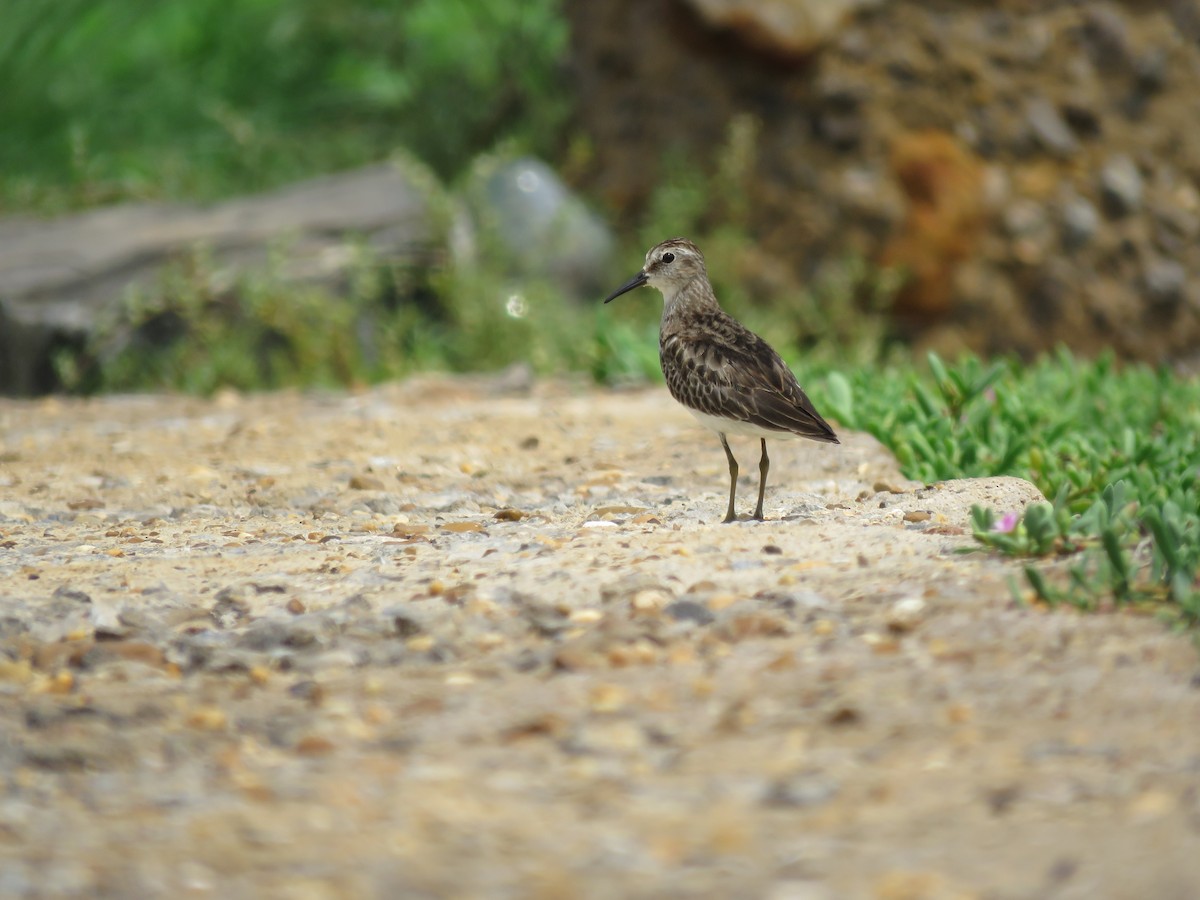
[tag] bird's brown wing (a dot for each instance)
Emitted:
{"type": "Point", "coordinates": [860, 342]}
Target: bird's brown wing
{"type": "Point", "coordinates": [722, 369]}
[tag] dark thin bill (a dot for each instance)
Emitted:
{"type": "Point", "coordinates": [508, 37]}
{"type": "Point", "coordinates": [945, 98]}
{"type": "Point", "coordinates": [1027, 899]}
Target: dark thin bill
{"type": "Point", "coordinates": [635, 282]}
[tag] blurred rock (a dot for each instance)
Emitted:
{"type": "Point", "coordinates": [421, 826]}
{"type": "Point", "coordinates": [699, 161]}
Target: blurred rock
{"type": "Point", "coordinates": [791, 29]}
{"type": "Point", "coordinates": [520, 213]}
{"type": "Point", "coordinates": [1080, 222]}
{"type": "Point", "coordinates": [60, 279]}
{"type": "Point", "coordinates": [1150, 71]}
{"type": "Point", "coordinates": [1121, 185]}
{"type": "Point", "coordinates": [1049, 128]}
{"type": "Point", "coordinates": [1106, 35]}
{"type": "Point", "coordinates": [1165, 280]}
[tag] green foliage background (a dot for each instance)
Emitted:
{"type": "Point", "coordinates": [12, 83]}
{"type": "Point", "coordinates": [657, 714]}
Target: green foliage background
{"type": "Point", "coordinates": [195, 99]}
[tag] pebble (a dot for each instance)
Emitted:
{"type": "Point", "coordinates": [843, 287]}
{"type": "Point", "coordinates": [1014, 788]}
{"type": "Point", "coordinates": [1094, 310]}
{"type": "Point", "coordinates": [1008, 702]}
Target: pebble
{"type": "Point", "coordinates": [802, 791]}
{"type": "Point", "coordinates": [906, 614]}
{"type": "Point", "coordinates": [690, 611]}
{"type": "Point", "coordinates": [1150, 70]}
{"type": "Point", "coordinates": [1025, 218]}
{"type": "Point", "coordinates": [1121, 185]}
{"type": "Point", "coordinates": [1164, 281]}
{"type": "Point", "coordinates": [1080, 222]}
{"type": "Point", "coordinates": [1049, 127]}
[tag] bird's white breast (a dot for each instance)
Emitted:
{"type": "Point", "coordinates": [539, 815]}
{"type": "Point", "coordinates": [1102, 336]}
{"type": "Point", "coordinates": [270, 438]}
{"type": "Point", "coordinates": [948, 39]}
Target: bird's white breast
{"type": "Point", "coordinates": [747, 429]}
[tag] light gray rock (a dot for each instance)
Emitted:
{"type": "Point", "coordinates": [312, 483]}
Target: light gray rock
{"type": "Point", "coordinates": [1049, 128]}
{"type": "Point", "coordinates": [1121, 185]}
{"type": "Point", "coordinates": [1164, 281]}
{"type": "Point", "coordinates": [1080, 222]}
{"type": "Point", "coordinates": [521, 214]}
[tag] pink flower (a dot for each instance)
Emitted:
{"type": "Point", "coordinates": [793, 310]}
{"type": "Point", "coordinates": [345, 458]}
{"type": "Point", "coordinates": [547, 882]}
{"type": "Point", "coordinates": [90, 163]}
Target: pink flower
{"type": "Point", "coordinates": [1007, 524]}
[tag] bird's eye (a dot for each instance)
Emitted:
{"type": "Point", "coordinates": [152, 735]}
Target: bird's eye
{"type": "Point", "coordinates": [668, 257]}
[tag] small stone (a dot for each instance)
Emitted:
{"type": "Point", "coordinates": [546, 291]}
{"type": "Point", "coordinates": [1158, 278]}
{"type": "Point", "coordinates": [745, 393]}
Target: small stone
{"type": "Point", "coordinates": [1150, 70]}
{"type": "Point", "coordinates": [1049, 127]}
{"type": "Point", "coordinates": [508, 515]}
{"type": "Point", "coordinates": [74, 595]}
{"type": "Point", "coordinates": [314, 745]}
{"type": "Point", "coordinates": [1106, 35]}
{"type": "Point", "coordinates": [1025, 218]}
{"type": "Point", "coordinates": [60, 683]}
{"type": "Point", "coordinates": [608, 698]}
{"type": "Point", "coordinates": [1164, 281]}
{"type": "Point", "coordinates": [207, 718]}
{"type": "Point", "coordinates": [823, 627]}
{"type": "Point", "coordinates": [128, 651]}
{"type": "Point", "coordinates": [422, 643]}
{"type": "Point", "coordinates": [843, 715]}
{"type": "Point", "coordinates": [544, 618]}
{"type": "Point", "coordinates": [365, 483]}
{"type": "Point", "coordinates": [880, 644]}
{"type": "Point", "coordinates": [649, 600]}
{"type": "Point", "coordinates": [462, 527]}
{"type": "Point", "coordinates": [545, 725]}
{"type": "Point", "coordinates": [586, 616]}
{"type": "Point", "coordinates": [689, 611]}
{"type": "Point", "coordinates": [1080, 222]}
{"type": "Point", "coordinates": [1121, 185]}
{"type": "Point", "coordinates": [406, 530]}
{"type": "Point", "coordinates": [265, 634]}
{"type": "Point", "coordinates": [296, 606]}
{"type": "Point", "coordinates": [801, 791]}
{"type": "Point", "coordinates": [309, 691]}
{"type": "Point", "coordinates": [230, 608]}
{"type": "Point", "coordinates": [646, 519]}
{"type": "Point", "coordinates": [906, 614]}
{"type": "Point", "coordinates": [311, 631]}
{"type": "Point", "coordinates": [916, 515]}
{"type": "Point", "coordinates": [744, 625]}
{"type": "Point", "coordinates": [530, 443]}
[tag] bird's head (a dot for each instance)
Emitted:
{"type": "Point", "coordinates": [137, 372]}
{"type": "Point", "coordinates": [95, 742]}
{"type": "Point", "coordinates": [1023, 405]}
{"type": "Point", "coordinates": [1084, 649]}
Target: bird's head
{"type": "Point", "coordinates": [668, 267]}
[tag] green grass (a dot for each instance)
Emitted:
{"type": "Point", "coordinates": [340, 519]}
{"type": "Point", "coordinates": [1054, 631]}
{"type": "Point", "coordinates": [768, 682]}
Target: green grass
{"type": "Point", "coordinates": [1115, 447]}
{"type": "Point", "coordinates": [108, 100]}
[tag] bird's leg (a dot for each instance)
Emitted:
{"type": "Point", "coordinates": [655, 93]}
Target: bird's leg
{"type": "Point", "coordinates": [730, 515]}
{"type": "Point", "coordinates": [764, 464]}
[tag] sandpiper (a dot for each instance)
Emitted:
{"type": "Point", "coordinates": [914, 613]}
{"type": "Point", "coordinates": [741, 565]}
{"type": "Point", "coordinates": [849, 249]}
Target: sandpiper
{"type": "Point", "coordinates": [726, 376]}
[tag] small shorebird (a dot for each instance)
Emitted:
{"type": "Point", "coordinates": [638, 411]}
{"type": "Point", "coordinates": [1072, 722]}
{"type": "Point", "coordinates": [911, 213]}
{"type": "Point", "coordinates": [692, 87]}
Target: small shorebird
{"type": "Point", "coordinates": [724, 374]}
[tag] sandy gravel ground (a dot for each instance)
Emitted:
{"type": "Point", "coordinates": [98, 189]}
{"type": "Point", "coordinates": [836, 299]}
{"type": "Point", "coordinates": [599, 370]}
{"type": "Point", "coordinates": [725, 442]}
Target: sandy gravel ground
{"type": "Point", "coordinates": [482, 639]}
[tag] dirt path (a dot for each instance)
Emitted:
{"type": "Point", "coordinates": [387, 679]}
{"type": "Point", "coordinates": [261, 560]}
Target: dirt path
{"type": "Point", "coordinates": [440, 640]}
